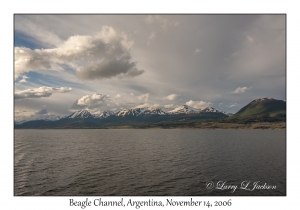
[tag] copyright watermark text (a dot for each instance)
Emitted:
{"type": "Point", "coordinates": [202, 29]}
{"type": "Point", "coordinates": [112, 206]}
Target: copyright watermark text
{"type": "Point", "coordinates": [245, 185]}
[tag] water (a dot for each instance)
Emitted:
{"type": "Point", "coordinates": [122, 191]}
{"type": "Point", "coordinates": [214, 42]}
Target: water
{"type": "Point", "coordinates": [132, 162]}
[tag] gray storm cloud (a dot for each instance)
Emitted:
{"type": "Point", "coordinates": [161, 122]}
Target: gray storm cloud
{"type": "Point", "coordinates": [110, 68]}
{"type": "Point", "coordinates": [105, 55]}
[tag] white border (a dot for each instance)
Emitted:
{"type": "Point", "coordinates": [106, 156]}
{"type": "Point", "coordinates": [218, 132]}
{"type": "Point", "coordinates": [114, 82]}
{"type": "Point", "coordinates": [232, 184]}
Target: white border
{"type": "Point", "coordinates": [8, 201]}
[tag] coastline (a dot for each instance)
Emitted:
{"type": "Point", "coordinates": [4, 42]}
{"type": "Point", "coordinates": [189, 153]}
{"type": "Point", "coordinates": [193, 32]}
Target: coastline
{"type": "Point", "coordinates": [192, 126]}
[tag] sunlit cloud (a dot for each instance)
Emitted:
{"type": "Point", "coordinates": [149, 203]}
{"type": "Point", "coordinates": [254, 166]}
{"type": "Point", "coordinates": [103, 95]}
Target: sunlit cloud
{"type": "Point", "coordinates": [40, 92]}
{"type": "Point", "coordinates": [198, 104]}
{"type": "Point", "coordinates": [241, 90]}
{"type": "Point", "coordinates": [171, 97]}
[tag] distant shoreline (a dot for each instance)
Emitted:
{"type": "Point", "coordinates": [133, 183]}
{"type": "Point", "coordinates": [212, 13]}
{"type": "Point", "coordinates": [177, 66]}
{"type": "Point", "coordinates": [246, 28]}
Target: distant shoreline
{"type": "Point", "coordinates": [196, 126]}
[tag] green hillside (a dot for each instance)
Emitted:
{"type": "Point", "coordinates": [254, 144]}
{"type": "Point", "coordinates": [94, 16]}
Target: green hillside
{"type": "Point", "coordinates": [262, 107]}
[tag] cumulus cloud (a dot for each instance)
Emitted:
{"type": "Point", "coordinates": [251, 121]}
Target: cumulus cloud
{"type": "Point", "coordinates": [143, 97]}
{"type": "Point", "coordinates": [42, 111]}
{"type": "Point", "coordinates": [171, 97]}
{"type": "Point", "coordinates": [94, 101]}
{"type": "Point", "coordinates": [241, 90]}
{"type": "Point", "coordinates": [105, 55]}
{"type": "Point", "coordinates": [198, 104]}
{"type": "Point", "coordinates": [95, 98]}
{"type": "Point", "coordinates": [40, 92]}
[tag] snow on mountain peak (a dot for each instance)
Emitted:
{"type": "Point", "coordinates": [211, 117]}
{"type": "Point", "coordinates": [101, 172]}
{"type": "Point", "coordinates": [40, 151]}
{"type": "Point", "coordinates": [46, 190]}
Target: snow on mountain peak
{"type": "Point", "coordinates": [128, 112]}
{"type": "Point", "coordinates": [185, 109]}
{"type": "Point", "coordinates": [154, 110]}
{"type": "Point", "coordinates": [211, 109]}
{"type": "Point", "coordinates": [81, 114]}
{"type": "Point", "coordinates": [103, 114]}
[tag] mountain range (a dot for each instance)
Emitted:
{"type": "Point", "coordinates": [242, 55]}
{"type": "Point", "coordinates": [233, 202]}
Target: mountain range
{"type": "Point", "coordinates": [83, 114]}
{"type": "Point", "coordinates": [263, 107]}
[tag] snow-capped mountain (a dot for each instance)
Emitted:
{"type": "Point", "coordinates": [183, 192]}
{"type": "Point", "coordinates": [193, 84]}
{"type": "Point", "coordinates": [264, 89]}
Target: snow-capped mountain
{"type": "Point", "coordinates": [103, 114]}
{"type": "Point", "coordinates": [81, 114]}
{"type": "Point", "coordinates": [130, 112]}
{"type": "Point", "coordinates": [158, 111]}
{"type": "Point", "coordinates": [210, 109]}
{"type": "Point", "coordinates": [140, 111]}
{"type": "Point", "coordinates": [185, 109]}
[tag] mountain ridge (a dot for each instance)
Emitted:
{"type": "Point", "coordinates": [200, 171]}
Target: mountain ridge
{"type": "Point", "coordinates": [258, 110]}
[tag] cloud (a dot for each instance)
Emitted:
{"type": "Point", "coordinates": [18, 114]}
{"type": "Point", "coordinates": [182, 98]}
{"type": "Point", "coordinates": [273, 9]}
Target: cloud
{"type": "Point", "coordinates": [171, 97]}
{"type": "Point", "coordinates": [20, 115]}
{"type": "Point", "coordinates": [241, 90]}
{"type": "Point", "coordinates": [169, 70]}
{"type": "Point", "coordinates": [40, 92]}
{"type": "Point", "coordinates": [146, 105]}
{"type": "Point", "coordinates": [131, 94]}
{"type": "Point", "coordinates": [233, 105]}
{"type": "Point", "coordinates": [36, 30]}
{"type": "Point", "coordinates": [89, 100]}
{"type": "Point", "coordinates": [198, 104]}
{"type": "Point", "coordinates": [94, 101]}
{"type": "Point", "coordinates": [105, 55]}
{"type": "Point", "coordinates": [150, 38]}
{"type": "Point", "coordinates": [169, 106]}
{"type": "Point", "coordinates": [23, 80]}
{"type": "Point", "coordinates": [143, 97]}
{"type": "Point", "coordinates": [42, 111]}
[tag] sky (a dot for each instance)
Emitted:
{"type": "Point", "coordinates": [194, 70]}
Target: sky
{"type": "Point", "coordinates": [65, 63]}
